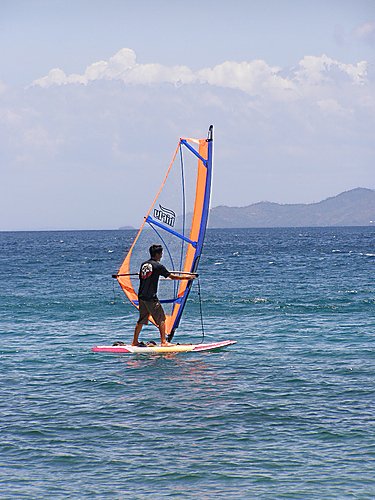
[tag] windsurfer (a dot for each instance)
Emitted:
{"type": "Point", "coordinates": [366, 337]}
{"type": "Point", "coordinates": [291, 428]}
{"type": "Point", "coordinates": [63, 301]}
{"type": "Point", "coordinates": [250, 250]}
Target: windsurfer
{"type": "Point", "coordinates": [149, 304]}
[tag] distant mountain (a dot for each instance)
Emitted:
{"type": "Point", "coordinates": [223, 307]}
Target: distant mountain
{"type": "Point", "coordinates": [351, 208]}
{"type": "Point", "coordinates": [124, 228]}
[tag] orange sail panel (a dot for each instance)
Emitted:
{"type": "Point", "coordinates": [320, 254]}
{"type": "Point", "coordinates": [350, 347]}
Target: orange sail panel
{"type": "Point", "coordinates": [177, 220]}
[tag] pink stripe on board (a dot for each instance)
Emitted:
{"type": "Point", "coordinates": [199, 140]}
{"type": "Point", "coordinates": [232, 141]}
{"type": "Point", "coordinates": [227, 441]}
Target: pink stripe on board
{"type": "Point", "coordinates": [103, 348]}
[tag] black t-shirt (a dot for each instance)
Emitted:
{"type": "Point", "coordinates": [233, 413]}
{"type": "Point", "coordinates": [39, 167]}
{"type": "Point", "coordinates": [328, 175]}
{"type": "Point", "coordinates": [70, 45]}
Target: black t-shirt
{"type": "Point", "coordinates": [149, 278]}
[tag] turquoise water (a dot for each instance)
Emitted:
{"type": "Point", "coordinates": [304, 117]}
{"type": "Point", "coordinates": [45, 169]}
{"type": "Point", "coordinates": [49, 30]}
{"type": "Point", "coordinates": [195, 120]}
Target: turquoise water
{"type": "Point", "coordinates": [288, 412]}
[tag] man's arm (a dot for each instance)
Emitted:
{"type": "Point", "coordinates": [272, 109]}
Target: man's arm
{"type": "Point", "coordinates": [185, 276]}
{"type": "Point", "coordinates": [176, 276]}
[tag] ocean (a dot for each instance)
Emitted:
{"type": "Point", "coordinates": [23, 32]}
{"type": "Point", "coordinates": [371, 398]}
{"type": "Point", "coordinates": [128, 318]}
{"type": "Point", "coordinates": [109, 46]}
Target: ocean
{"type": "Point", "coordinates": [288, 412]}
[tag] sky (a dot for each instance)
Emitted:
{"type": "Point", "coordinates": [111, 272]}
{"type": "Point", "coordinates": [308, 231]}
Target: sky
{"type": "Point", "coordinates": [94, 96]}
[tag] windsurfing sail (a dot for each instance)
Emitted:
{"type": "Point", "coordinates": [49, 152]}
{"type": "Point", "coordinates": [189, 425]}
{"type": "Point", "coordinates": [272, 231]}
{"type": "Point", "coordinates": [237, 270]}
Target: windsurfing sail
{"type": "Point", "coordinates": [177, 220]}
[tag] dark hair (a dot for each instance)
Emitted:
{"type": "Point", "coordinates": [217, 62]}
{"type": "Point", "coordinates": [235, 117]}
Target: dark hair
{"type": "Point", "coordinates": [154, 249]}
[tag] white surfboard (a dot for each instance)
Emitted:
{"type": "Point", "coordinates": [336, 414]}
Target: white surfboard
{"type": "Point", "coordinates": [129, 349]}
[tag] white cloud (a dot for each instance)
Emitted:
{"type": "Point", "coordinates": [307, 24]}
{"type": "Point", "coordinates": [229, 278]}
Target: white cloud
{"type": "Point", "coordinates": [9, 117]}
{"type": "Point", "coordinates": [251, 77]}
{"type": "Point", "coordinates": [122, 66]}
{"type": "Point", "coordinates": [256, 78]}
{"type": "Point", "coordinates": [331, 106]}
{"type": "Point", "coordinates": [366, 31]}
{"type": "Point", "coordinates": [57, 77]}
{"type": "Point", "coordinates": [323, 69]}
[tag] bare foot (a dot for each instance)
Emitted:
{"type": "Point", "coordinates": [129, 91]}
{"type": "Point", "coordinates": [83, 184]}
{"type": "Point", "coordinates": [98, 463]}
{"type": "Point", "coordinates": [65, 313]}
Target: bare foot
{"type": "Point", "coordinates": [166, 344]}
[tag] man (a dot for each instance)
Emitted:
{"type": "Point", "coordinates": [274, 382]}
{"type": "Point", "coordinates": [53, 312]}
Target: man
{"type": "Point", "coordinates": [149, 304]}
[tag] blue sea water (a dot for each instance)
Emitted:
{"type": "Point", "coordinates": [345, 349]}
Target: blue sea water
{"type": "Point", "coordinates": [288, 412]}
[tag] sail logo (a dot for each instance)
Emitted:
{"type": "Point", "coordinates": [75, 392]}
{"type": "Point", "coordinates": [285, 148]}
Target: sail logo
{"type": "Point", "coordinates": [165, 215]}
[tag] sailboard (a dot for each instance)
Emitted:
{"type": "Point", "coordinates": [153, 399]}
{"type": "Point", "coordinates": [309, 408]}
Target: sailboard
{"type": "Point", "coordinates": [129, 349]}
{"type": "Point", "coordinates": [177, 220]}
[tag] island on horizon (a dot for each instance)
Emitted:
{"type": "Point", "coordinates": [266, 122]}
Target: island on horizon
{"type": "Point", "coordinates": [355, 207]}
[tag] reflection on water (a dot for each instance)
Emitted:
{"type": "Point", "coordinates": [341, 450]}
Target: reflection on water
{"type": "Point", "coordinates": [181, 370]}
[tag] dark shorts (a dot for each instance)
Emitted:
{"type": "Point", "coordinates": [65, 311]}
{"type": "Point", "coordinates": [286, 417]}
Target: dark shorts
{"type": "Point", "coordinates": [150, 308]}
